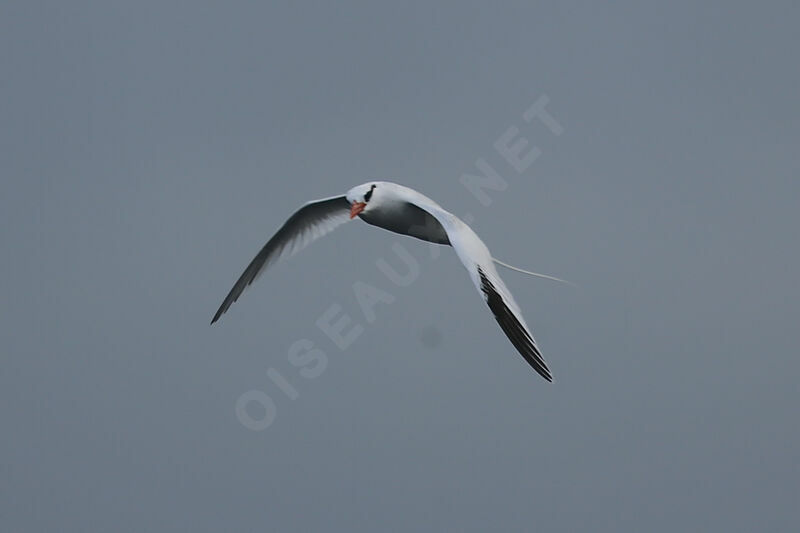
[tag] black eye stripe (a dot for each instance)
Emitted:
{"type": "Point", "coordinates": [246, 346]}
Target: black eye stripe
{"type": "Point", "coordinates": [369, 194]}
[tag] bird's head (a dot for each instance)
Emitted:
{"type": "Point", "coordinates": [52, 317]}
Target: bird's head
{"type": "Point", "coordinates": [360, 198]}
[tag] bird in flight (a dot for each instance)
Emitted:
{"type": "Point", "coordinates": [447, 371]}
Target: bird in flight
{"type": "Point", "coordinates": [402, 210]}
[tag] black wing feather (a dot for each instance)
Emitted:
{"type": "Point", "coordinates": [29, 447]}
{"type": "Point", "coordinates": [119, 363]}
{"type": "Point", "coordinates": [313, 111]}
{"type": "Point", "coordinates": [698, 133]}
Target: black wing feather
{"type": "Point", "coordinates": [513, 329]}
{"type": "Point", "coordinates": [300, 226]}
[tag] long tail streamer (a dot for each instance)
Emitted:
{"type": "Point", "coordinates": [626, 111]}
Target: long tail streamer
{"type": "Point", "coordinates": [534, 274]}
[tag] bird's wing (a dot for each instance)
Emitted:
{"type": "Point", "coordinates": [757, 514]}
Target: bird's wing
{"type": "Point", "coordinates": [478, 261]}
{"type": "Point", "coordinates": [512, 323]}
{"type": "Point", "coordinates": [309, 223]}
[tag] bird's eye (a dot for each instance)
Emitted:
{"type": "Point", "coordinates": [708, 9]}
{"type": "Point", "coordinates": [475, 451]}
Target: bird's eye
{"type": "Point", "coordinates": [369, 194]}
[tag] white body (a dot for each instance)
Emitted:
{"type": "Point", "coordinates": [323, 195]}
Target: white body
{"type": "Point", "coordinates": [402, 210]}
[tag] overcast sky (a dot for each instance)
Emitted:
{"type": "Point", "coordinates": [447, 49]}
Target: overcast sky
{"type": "Point", "coordinates": [149, 149]}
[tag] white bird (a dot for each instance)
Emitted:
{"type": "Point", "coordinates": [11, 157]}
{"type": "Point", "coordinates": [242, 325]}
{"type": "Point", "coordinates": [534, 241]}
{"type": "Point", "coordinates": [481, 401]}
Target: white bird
{"type": "Point", "coordinates": [405, 211]}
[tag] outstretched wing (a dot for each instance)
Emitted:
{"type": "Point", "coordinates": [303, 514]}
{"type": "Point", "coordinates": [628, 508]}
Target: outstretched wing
{"type": "Point", "coordinates": [479, 263]}
{"type": "Point", "coordinates": [309, 223]}
{"type": "Point", "coordinates": [513, 326]}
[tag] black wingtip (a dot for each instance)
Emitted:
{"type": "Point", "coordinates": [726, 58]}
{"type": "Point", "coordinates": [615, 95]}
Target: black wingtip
{"type": "Point", "coordinates": [218, 314]}
{"type": "Point", "coordinates": [513, 329]}
{"type": "Point", "coordinates": [230, 299]}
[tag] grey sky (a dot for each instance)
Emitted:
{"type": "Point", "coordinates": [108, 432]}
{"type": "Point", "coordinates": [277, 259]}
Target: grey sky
{"type": "Point", "coordinates": [150, 148]}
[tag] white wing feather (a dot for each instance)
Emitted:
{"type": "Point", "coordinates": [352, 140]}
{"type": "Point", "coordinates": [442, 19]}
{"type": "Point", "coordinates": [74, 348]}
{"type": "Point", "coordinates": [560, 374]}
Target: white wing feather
{"type": "Point", "coordinates": [307, 224]}
{"type": "Point", "coordinates": [478, 261]}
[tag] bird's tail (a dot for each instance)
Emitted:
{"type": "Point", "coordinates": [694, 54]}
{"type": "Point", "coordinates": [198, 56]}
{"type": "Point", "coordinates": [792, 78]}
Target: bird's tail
{"type": "Point", "coordinates": [534, 274]}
